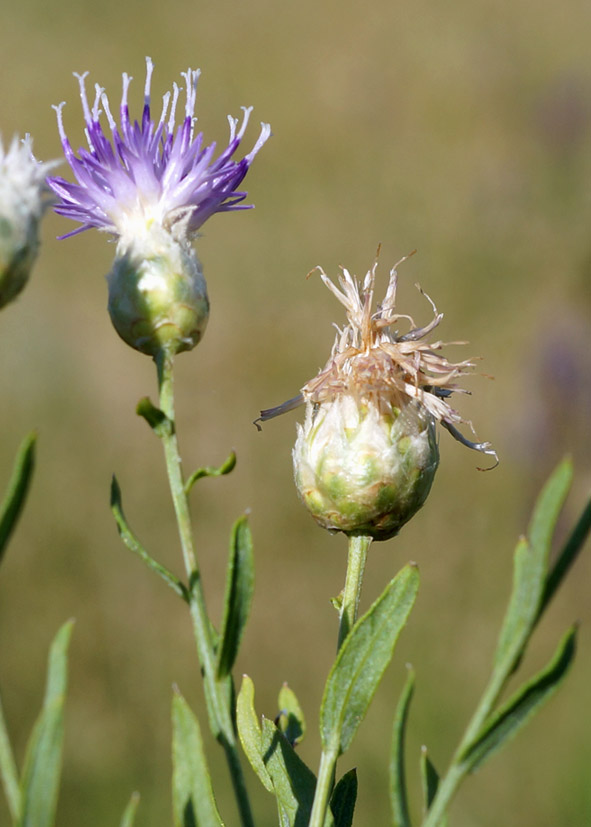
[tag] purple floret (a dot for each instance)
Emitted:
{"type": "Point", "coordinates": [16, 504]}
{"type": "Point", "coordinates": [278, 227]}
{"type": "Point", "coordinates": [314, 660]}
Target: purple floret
{"type": "Point", "coordinates": [159, 171]}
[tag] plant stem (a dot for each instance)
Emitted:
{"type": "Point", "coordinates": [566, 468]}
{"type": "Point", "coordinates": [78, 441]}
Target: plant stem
{"type": "Point", "coordinates": [358, 548]}
{"type": "Point", "coordinates": [324, 786]}
{"type": "Point", "coordinates": [457, 769]}
{"type": "Point", "coordinates": [219, 703]}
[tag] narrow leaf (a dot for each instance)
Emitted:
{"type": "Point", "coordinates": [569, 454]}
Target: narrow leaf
{"type": "Point", "coordinates": [41, 772]}
{"type": "Point", "coordinates": [133, 544]}
{"type": "Point", "coordinates": [531, 570]}
{"type": "Point", "coordinates": [211, 471]}
{"type": "Point", "coordinates": [192, 795]}
{"type": "Point", "coordinates": [128, 818]}
{"type": "Point", "coordinates": [18, 486]}
{"type": "Point", "coordinates": [398, 793]}
{"type": "Point", "coordinates": [567, 556]}
{"type": "Point", "coordinates": [249, 731]}
{"type": "Point", "coordinates": [239, 591]}
{"type": "Point", "coordinates": [293, 782]}
{"type": "Point", "coordinates": [343, 799]}
{"type": "Point", "coordinates": [362, 660]}
{"type": "Point", "coordinates": [156, 419]}
{"type": "Point", "coordinates": [512, 716]}
{"type": "Point", "coordinates": [429, 780]}
{"type": "Point", "coordinates": [8, 771]}
{"type": "Point", "coordinates": [290, 719]}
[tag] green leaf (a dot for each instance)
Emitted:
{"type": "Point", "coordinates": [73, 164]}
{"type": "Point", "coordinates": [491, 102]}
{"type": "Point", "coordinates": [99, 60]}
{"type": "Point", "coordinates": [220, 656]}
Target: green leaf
{"type": "Point", "coordinates": [530, 571]}
{"type": "Point", "coordinates": [513, 715]}
{"type": "Point", "coordinates": [567, 556]}
{"type": "Point", "coordinates": [132, 543]}
{"type": "Point", "coordinates": [290, 719]}
{"type": "Point", "coordinates": [398, 793]}
{"type": "Point", "coordinates": [18, 487]}
{"type": "Point", "coordinates": [250, 733]}
{"type": "Point", "coordinates": [362, 660]}
{"type": "Point", "coordinates": [211, 471]}
{"type": "Point", "coordinates": [128, 818]}
{"type": "Point", "coordinates": [239, 591]}
{"type": "Point", "coordinates": [9, 771]}
{"type": "Point", "coordinates": [342, 802]}
{"type": "Point", "coordinates": [293, 782]}
{"type": "Point", "coordinates": [192, 795]}
{"type": "Point", "coordinates": [429, 780]}
{"type": "Point", "coordinates": [156, 419]}
{"type": "Point", "coordinates": [42, 767]}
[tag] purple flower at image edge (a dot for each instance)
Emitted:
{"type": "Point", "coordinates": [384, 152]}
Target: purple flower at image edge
{"type": "Point", "coordinates": [149, 172]}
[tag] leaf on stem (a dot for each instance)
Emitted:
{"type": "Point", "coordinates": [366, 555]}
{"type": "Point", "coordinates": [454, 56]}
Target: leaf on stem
{"type": "Point", "coordinates": [567, 556]}
{"type": "Point", "coordinates": [293, 782]}
{"type": "Point", "coordinates": [239, 591]}
{"type": "Point", "coordinates": [290, 719]}
{"type": "Point", "coordinates": [156, 419]}
{"type": "Point", "coordinates": [42, 766]}
{"type": "Point", "coordinates": [9, 772]}
{"type": "Point", "coordinates": [398, 793]}
{"type": "Point", "coordinates": [250, 733]}
{"type": "Point", "coordinates": [192, 795]}
{"type": "Point", "coordinates": [343, 799]}
{"type": "Point", "coordinates": [132, 543]}
{"type": "Point", "coordinates": [128, 817]}
{"type": "Point", "coordinates": [516, 712]}
{"type": "Point", "coordinates": [429, 780]}
{"type": "Point", "coordinates": [362, 660]}
{"type": "Point", "coordinates": [210, 471]}
{"type": "Point", "coordinates": [18, 487]}
{"type": "Point", "coordinates": [530, 571]}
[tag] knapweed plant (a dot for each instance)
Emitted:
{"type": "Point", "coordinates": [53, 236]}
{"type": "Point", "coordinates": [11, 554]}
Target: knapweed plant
{"type": "Point", "coordinates": [364, 462]}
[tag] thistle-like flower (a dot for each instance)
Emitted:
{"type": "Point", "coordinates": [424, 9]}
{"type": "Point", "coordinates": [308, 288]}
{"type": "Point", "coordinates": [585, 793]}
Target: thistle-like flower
{"type": "Point", "coordinates": [23, 197]}
{"type": "Point", "coordinates": [153, 185]}
{"type": "Point", "coordinates": [366, 456]}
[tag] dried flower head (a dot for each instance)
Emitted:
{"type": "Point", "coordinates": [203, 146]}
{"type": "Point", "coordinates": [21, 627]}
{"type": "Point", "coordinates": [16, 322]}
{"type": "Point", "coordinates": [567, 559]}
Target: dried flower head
{"type": "Point", "coordinates": [366, 455]}
{"type": "Point", "coordinates": [23, 197]}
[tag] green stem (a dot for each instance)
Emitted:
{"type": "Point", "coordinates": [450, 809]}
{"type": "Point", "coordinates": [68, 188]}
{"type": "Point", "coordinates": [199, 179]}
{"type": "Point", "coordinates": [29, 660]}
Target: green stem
{"type": "Point", "coordinates": [9, 772]}
{"type": "Point", "coordinates": [219, 699]}
{"type": "Point", "coordinates": [324, 787]}
{"type": "Point", "coordinates": [458, 769]}
{"type": "Point", "coordinates": [358, 548]}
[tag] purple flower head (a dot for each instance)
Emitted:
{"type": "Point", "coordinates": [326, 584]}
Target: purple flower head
{"type": "Point", "coordinates": [146, 172]}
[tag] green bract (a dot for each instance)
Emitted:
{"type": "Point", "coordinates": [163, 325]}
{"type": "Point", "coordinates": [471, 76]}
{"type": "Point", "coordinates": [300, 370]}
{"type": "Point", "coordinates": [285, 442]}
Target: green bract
{"type": "Point", "coordinates": [363, 471]}
{"type": "Point", "coordinates": [157, 294]}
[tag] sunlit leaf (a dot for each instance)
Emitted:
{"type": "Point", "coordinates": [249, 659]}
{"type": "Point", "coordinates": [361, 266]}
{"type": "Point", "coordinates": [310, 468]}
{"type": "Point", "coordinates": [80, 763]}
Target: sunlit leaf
{"type": "Point", "coordinates": [290, 719]}
{"type": "Point", "coordinates": [18, 487]}
{"type": "Point", "coordinates": [238, 598]}
{"type": "Point", "coordinates": [250, 733]}
{"type": "Point", "coordinates": [128, 818]}
{"type": "Point", "coordinates": [398, 793]}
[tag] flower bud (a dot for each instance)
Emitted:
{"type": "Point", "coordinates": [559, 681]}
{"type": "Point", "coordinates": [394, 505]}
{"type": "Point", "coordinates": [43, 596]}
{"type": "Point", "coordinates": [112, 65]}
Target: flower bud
{"type": "Point", "coordinates": [157, 294]}
{"type": "Point", "coordinates": [365, 471]}
{"type": "Point", "coordinates": [21, 205]}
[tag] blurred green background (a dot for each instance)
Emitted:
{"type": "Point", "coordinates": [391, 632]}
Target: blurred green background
{"type": "Point", "coordinates": [461, 129]}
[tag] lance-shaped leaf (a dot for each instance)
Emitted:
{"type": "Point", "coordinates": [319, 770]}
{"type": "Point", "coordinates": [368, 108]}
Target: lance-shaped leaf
{"type": "Point", "coordinates": [567, 556]}
{"type": "Point", "coordinates": [513, 715]}
{"type": "Point", "coordinates": [531, 570]}
{"type": "Point", "coordinates": [250, 733]}
{"type": "Point", "coordinates": [294, 783]}
{"type": "Point", "coordinates": [9, 771]}
{"type": "Point", "coordinates": [18, 486]}
{"type": "Point", "coordinates": [42, 767]}
{"type": "Point", "coordinates": [128, 818]}
{"type": "Point", "coordinates": [211, 471]}
{"type": "Point", "coordinates": [133, 544]}
{"type": "Point", "coordinates": [239, 591]}
{"type": "Point", "coordinates": [398, 793]}
{"type": "Point", "coordinates": [192, 795]}
{"type": "Point", "coordinates": [290, 719]}
{"type": "Point", "coordinates": [362, 660]}
{"type": "Point", "coordinates": [429, 780]}
{"type": "Point", "coordinates": [343, 799]}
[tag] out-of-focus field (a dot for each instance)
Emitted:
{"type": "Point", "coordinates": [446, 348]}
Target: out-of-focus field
{"type": "Point", "coordinates": [461, 129]}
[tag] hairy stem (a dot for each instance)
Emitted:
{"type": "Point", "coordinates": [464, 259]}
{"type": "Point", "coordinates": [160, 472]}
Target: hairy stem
{"type": "Point", "coordinates": [358, 548]}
